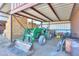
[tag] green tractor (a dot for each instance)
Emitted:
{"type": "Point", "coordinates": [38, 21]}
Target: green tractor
{"type": "Point", "coordinates": [33, 34]}
{"type": "Point", "coordinates": [30, 36]}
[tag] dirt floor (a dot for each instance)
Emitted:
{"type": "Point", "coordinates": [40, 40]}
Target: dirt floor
{"type": "Point", "coordinates": [44, 50]}
{"type": "Point", "coordinates": [48, 49]}
{"type": "Point", "coordinates": [4, 43]}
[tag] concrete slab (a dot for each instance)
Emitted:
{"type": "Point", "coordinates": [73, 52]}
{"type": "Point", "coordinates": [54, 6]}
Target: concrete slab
{"type": "Point", "coordinates": [44, 50]}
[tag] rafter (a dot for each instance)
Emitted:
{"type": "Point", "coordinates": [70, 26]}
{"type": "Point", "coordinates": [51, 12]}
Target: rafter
{"type": "Point", "coordinates": [2, 6]}
{"type": "Point", "coordinates": [51, 7]}
{"type": "Point", "coordinates": [33, 15]}
{"type": "Point", "coordinates": [4, 12]}
{"type": "Point", "coordinates": [41, 13]}
{"type": "Point", "coordinates": [27, 17]}
{"type": "Point", "coordinates": [72, 11]}
{"type": "Point", "coordinates": [22, 7]}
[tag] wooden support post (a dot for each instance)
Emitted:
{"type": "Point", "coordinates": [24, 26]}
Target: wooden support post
{"type": "Point", "coordinates": [11, 29]}
{"type": "Point", "coordinates": [41, 24]}
{"type": "Point", "coordinates": [49, 25]}
{"type": "Point", "coordinates": [32, 23]}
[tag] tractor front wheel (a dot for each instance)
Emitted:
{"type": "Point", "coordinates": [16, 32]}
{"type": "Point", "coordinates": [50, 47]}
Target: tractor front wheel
{"type": "Point", "coordinates": [42, 40]}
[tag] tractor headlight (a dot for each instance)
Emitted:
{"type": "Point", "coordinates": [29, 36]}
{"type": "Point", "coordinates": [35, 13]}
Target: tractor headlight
{"type": "Point", "coordinates": [32, 34]}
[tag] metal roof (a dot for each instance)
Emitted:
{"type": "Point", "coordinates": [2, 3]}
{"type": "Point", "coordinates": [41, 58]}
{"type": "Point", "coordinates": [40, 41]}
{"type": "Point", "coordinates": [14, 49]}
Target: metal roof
{"type": "Point", "coordinates": [49, 12]}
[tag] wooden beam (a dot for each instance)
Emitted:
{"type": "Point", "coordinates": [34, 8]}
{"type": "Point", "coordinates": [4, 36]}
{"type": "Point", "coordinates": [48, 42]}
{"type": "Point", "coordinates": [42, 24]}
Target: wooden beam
{"type": "Point", "coordinates": [41, 13]}
{"type": "Point", "coordinates": [54, 11]}
{"type": "Point", "coordinates": [4, 12]}
{"type": "Point", "coordinates": [2, 6]}
{"type": "Point", "coordinates": [49, 25]}
{"type": "Point", "coordinates": [19, 22]}
{"type": "Point", "coordinates": [41, 24]}
{"type": "Point", "coordinates": [27, 17]}
{"type": "Point", "coordinates": [33, 15]}
{"type": "Point", "coordinates": [11, 28]}
{"type": "Point", "coordinates": [72, 11]}
{"type": "Point", "coordinates": [8, 11]}
{"type": "Point", "coordinates": [32, 23]}
{"type": "Point", "coordinates": [22, 7]}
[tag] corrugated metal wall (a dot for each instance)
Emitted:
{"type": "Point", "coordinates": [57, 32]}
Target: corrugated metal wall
{"type": "Point", "coordinates": [59, 27]}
